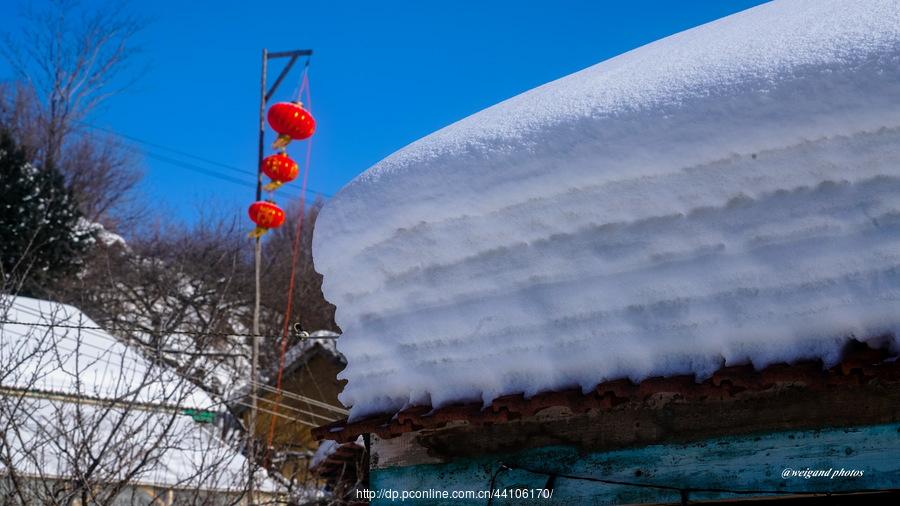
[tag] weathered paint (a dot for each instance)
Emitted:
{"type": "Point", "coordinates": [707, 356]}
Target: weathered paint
{"type": "Point", "coordinates": [743, 463]}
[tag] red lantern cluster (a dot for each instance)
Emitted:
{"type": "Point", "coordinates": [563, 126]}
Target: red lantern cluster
{"type": "Point", "coordinates": [292, 122]}
{"type": "Point", "coordinates": [266, 215]}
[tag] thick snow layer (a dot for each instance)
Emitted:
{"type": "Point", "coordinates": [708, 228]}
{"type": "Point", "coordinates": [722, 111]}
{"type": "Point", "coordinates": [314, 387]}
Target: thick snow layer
{"type": "Point", "coordinates": [729, 194]}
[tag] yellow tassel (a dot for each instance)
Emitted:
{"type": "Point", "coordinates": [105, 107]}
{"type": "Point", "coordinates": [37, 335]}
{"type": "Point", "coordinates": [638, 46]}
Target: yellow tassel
{"type": "Point", "coordinates": [274, 185]}
{"type": "Point", "coordinates": [282, 141]}
{"type": "Point", "coordinates": [257, 232]}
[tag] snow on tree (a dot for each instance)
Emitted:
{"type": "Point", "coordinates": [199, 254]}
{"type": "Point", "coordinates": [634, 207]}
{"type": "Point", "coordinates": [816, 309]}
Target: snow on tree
{"type": "Point", "coordinates": [44, 235]}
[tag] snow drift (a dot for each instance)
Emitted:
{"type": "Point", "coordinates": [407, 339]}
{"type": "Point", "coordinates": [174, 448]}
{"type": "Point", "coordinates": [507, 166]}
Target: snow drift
{"type": "Point", "coordinates": [729, 194]}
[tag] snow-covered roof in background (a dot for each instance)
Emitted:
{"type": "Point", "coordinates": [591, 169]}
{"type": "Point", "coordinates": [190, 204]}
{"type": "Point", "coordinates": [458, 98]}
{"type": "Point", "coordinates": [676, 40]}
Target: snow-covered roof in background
{"type": "Point", "coordinates": [326, 339]}
{"type": "Point", "coordinates": [67, 341]}
{"type": "Point", "coordinates": [180, 452]}
{"type": "Point", "coordinates": [55, 349]}
{"type": "Point", "coordinates": [294, 358]}
{"type": "Point", "coordinates": [727, 194]}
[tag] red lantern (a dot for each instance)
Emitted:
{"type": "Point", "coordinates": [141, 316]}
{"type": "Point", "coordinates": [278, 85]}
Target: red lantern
{"type": "Point", "coordinates": [292, 122]}
{"type": "Point", "coordinates": [280, 169]}
{"type": "Point", "coordinates": [266, 215]}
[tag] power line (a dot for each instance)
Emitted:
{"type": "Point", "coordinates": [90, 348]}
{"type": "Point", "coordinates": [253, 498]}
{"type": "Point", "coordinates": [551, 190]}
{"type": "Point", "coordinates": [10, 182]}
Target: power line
{"type": "Point", "coordinates": [136, 360]}
{"type": "Point", "coordinates": [107, 353]}
{"type": "Point", "coordinates": [51, 395]}
{"type": "Point", "coordinates": [146, 406]}
{"type": "Point", "coordinates": [139, 344]}
{"type": "Point", "coordinates": [146, 372]}
{"type": "Point", "coordinates": [76, 397]}
{"type": "Point", "coordinates": [310, 400]}
{"type": "Point", "coordinates": [215, 174]}
{"type": "Point", "coordinates": [162, 378]}
{"type": "Point", "coordinates": [167, 148]}
{"type": "Point", "coordinates": [198, 169]}
{"type": "Point", "coordinates": [293, 408]}
{"type": "Point", "coordinates": [120, 328]}
{"type": "Point", "coordinates": [193, 167]}
{"type": "Point", "coordinates": [96, 331]}
{"type": "Point", "coordinates": [34, 393]}
{"type": "Point", "coordinates": [280, 415]}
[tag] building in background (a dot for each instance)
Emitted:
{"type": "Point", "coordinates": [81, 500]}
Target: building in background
{"type": "Point", "coordinates": [307, 399]}
{"type": "Point", "coordinates": [88, 419]}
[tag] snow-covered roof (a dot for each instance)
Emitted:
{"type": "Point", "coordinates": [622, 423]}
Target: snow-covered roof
{"type": "Point", "coordinates": [729, 194]}
{"type": "Point", "coordinates": [72, 392]}
{"type": "Point", "coordinates": [57, 348]}
{"type": "Point", "coordinates": [49, 442]}
{"type": "Point", "coordinates": [317, 339]}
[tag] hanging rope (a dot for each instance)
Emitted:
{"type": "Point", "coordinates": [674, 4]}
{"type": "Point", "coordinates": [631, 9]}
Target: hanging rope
{"type": "Point", "coordinates": [303, 83]}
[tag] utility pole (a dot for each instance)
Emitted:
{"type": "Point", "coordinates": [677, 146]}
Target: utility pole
{"type": "Point", "coordinates": [252, 447]}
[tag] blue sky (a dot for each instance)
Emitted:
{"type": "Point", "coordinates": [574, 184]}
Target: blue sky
{"type": "Point", "coordinates": [383, 75]}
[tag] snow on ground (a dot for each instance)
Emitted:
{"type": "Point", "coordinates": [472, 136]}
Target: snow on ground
{"type": "Point", "coordinates": [729, 194]}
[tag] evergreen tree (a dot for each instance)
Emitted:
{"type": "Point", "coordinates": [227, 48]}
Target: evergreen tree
{"type": "Point", "coordinates": [42, 234]}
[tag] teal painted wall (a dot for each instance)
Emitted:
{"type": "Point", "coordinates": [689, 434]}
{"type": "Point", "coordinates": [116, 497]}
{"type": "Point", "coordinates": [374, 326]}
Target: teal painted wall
{"type": "Point", "coordinates": [745, 463]}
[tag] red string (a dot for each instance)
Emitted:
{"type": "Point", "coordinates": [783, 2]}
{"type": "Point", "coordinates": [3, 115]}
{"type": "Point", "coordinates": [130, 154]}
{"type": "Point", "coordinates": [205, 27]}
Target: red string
{"type": "Point", "coordinates": [304, 85]}
{"type": "Point", "coordinates": [295, 253]}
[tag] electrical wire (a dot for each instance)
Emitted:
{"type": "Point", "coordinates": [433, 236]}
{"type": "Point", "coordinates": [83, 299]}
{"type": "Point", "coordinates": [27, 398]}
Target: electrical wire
{"type": "Point", "coordinates": [120, 328]}
{"type": "Point", "coordinates": [121, 367]}
{"type": "Point", "coordinates": [148, 377]}
{"type": "Point", "coordinates": [190, 166]}
{"type": "Point", "coordinates": [101, 333]}
{"type": "Point", "coordinates": [167, 408]}
{"type": "Point", "coordinates": [37, 393]}
{"type": "Point", "coordinates": [138, 361]}
{"type": "Point", "coordinates": [305, 399]}
{"type": "Point", "coordinates": [310, 400]}
{"type": "Point", "coordinates": [280, 415]}
{"type": "Point", "coordinates": [293, 408]}
{"type": "Point", "coordinates": [170, 351]}
{"type": "Point", "coordinates": [118, 365]}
